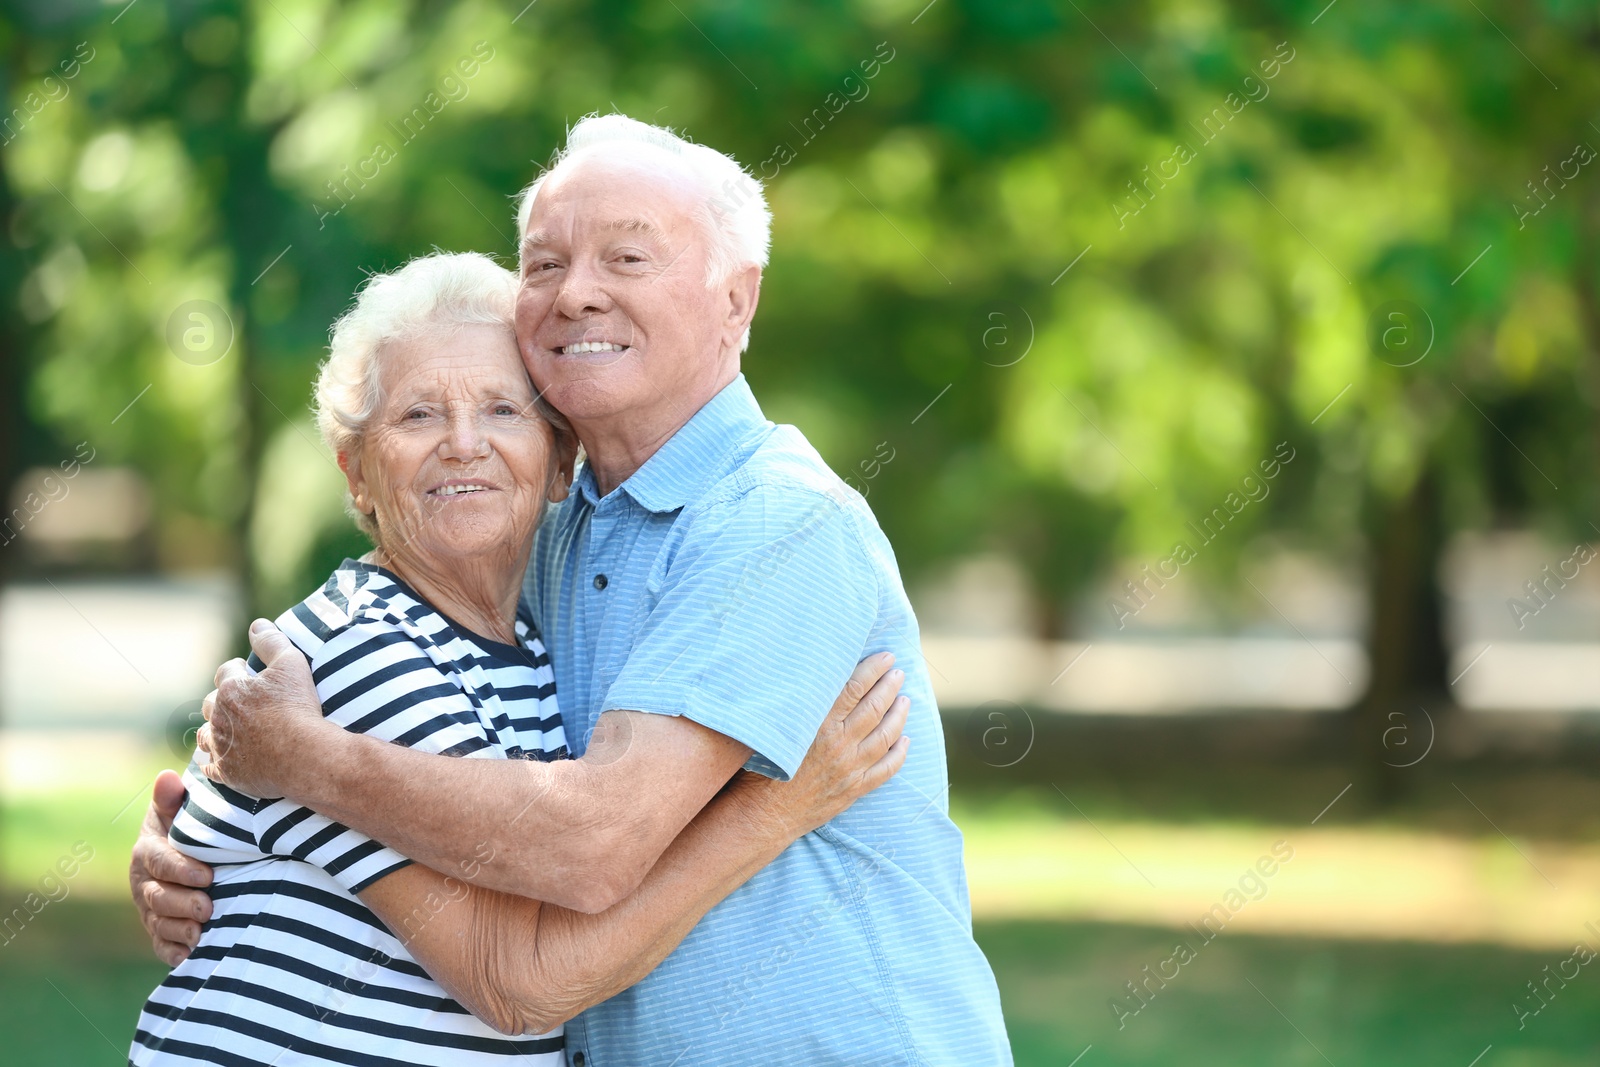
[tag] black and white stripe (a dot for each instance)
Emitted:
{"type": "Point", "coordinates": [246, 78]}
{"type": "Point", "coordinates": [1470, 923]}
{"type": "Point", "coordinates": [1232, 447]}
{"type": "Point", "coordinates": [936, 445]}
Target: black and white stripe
{"type": "Point", "coordinates": [293, 968]}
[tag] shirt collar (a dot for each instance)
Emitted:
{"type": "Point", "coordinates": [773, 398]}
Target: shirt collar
{"type": "Point", "coordinates": [687, 461]}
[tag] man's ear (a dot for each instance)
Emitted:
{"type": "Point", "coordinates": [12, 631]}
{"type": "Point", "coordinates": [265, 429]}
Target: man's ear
{"type": "Point", "coordinates": [563, 460]}
{"type": "Point", "coordinates": [744, 292]}
{"type": "Point", "coordinates": [350, 464]}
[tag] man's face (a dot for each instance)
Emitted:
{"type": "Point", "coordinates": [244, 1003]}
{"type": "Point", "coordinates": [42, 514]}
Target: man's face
{"type": "Point", "coordinates": [616, 324]}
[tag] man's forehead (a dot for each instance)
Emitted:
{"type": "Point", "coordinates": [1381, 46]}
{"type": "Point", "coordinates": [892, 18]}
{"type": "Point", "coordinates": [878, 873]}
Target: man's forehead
{"type": "Point", "coordinates": [630, 187]}
{"type": "Point", "coordinates": [540, 233]}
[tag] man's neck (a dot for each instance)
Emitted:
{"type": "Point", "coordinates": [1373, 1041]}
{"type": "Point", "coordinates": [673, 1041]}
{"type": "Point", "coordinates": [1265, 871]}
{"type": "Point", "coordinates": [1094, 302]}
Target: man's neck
{"type": "Point", "coordinates": [616, 448]}
{"type": "Point", "coordinates": [614, 457]}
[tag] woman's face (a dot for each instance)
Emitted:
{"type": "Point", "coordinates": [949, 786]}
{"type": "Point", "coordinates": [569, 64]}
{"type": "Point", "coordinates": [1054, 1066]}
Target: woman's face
{"type": "Point", "coordinates": [456, 462]}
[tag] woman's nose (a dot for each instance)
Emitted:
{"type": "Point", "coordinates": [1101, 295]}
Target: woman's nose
{"type": "Point", "coordinates": [465, 437]}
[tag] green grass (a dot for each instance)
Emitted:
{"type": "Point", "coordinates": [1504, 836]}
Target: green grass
{"type": "Point", "coordinates": [72, 982]}
{"type": "Point", "coordinates": [1358, 1003]}
{"type": "Point", "coordinates": [38, 831]}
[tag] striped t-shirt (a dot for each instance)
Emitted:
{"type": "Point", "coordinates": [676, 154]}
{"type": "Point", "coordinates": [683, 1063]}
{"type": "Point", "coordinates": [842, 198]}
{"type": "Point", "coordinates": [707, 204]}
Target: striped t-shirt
{"type": "Point", "coordinates": [293, 968]}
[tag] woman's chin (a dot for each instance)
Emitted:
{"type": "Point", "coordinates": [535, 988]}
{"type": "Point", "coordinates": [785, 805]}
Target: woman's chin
{"type": "Point", "coordinates": [461, 536]}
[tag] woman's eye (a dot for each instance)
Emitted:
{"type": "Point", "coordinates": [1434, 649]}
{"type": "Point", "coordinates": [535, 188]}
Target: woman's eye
{"type": "Point", "coordinates": [505, 409]}
{"type": "Point", "coordinates": [417, 414]}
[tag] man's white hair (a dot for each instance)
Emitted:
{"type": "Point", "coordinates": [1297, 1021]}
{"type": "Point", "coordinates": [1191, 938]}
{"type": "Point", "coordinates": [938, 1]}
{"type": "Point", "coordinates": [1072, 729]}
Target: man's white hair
{"type": "Point", "coordinates": [735, 216]}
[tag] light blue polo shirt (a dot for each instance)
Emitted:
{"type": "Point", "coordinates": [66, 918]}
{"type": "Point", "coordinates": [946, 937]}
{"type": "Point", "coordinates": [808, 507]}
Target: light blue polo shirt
{"type": "Point", "coordinates": [735, 580]}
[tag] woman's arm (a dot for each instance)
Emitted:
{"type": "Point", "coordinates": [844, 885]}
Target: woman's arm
{"type": "Point", "coordinates": [525, 967]}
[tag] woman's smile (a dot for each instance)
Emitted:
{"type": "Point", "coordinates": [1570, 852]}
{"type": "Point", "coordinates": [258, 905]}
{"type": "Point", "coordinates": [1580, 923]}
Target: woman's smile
{"type": "Point", "coordinates": [461, 488]}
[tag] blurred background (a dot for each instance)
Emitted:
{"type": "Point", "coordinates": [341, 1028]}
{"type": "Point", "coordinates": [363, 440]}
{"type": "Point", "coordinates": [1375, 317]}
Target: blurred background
{"type": "Point", "coordinates": [1225, 377]}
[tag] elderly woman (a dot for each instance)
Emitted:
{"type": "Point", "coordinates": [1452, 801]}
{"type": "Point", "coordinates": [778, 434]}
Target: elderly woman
{"type": "Point", "coordinates": [326, 947]}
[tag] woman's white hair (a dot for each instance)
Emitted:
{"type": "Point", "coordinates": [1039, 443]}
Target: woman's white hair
{"type": "Point", "coordinates": [735, 216]}
{"type": "Point", "coordinates": [443, 291]}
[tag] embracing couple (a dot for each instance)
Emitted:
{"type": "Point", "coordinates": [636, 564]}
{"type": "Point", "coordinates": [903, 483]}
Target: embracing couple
{"type": "Point", "coordinates": [722, 847]}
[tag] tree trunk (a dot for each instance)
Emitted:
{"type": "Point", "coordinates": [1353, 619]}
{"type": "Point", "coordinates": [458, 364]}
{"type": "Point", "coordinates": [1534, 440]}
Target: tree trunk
{"type": "Point", "coordinates": [1586, 275]}
{"type": "Point", "coordinates": [255, 216]}
{"type": "Point", "coordinates": [1407, 697]}
{"type": "Point", "coordinates": [13, 378]}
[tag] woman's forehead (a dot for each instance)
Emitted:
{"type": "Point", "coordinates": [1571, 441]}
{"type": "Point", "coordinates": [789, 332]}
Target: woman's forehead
{"type": "Point", "coordinates": [466, 359]}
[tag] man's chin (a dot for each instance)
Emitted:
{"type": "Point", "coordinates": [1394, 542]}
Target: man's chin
{"type": "Point", "coordinates": [590, 394]}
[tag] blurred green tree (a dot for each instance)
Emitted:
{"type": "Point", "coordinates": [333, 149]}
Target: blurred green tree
{"type": "Point", "coordinates": [1079, 270]}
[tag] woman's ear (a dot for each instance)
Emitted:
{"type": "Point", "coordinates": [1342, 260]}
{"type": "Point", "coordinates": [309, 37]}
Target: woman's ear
{"type": "Point", "coordinates": [563, 461]}
{"type": "Point", "coordinates": [350, 464]}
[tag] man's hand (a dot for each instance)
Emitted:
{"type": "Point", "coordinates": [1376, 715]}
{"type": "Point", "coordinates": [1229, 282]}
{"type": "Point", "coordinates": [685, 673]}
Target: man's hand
{"type": "Point", "coordinates": [161, 877]}
{"type": "Point", "coordinates": [256, 725]}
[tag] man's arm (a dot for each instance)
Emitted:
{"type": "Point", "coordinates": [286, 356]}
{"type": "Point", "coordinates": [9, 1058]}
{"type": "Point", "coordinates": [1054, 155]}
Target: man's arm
{"type": "Point", "coordinates": [547, 838]}
{"type": "Point", "coordinates": [161, 877]}
{"type": "Point", "coordinates": [578, 833]}
{"type": "Point", "coordinates": [763, 617]}
{"type": "Point", "coordinates": [588, 955]}
{"type": "Point", "coordinates": [525, 967]}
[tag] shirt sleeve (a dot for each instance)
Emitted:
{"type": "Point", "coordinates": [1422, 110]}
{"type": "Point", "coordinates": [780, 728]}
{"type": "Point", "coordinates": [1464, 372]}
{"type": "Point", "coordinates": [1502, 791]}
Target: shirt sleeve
{"type": "Point", "coordinates": [760, 619]}
{"type": "Point", "coordinates": [372, 678]}
{"type": "Point", "coordinates": [216, 825]}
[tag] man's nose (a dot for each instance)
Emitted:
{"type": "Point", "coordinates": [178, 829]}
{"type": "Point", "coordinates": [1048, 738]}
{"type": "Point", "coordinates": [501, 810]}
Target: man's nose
{"type": "Point", "coordinates": [582, 292]}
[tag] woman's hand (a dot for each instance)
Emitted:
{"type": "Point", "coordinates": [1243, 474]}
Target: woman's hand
{"type": "Point", "coordinates": [167, 885]}
{"type": "Point", "coordinates": [859, 747]}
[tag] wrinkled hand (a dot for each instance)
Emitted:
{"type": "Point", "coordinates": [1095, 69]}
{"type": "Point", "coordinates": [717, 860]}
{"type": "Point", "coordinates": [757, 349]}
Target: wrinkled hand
{"type": "Point", "coordinates": [256, 723]}
{"type": "Point", "coordinates": [859, 747]}
{"type": "Point", "coordinates": [161, 876]}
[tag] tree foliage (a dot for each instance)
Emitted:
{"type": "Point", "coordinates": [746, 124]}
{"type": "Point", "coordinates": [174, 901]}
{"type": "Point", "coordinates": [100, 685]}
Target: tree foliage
{"type": "Point", "coordinates": [1078, 269]}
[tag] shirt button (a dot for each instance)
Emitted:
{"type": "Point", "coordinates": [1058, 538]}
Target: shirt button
{"type": "Point", "coordinates": [577, 1057]}
{"type": "Point", "coordinates": [600, 582]}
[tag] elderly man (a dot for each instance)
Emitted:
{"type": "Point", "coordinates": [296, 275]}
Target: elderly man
{"type": "Point", "coordinates": [704, 591]}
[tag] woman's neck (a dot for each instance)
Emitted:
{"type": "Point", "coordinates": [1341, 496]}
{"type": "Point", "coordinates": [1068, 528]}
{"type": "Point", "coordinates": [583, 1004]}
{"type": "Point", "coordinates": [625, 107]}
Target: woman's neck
{"type": "Point", "coordinates": [480, 594]}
